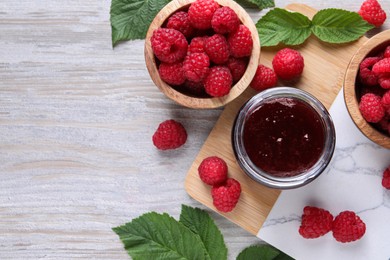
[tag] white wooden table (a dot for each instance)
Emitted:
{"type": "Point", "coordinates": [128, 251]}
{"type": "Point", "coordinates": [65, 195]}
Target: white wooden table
{"type": "Point", "coordinates": [76, 120]}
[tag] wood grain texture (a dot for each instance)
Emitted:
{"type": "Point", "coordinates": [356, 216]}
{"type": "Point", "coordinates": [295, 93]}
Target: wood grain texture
{"type": "Point", "coordinates": [76, 120]}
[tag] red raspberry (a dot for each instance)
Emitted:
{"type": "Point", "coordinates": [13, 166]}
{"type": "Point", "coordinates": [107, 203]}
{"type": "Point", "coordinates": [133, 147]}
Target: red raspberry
{"type": "Point", "coordinates": [225, 20]}
{"type": "Point", "coordinates": [170, 134]}
{"type": "Point", "coordinates": [194, 88]}
{"type": "Point", "coordinates": [384, 123]}
{"type": "Point", "coordinates": [213, 170]}
{"type": "Point", "coordinates": [386, 178]}
{"type": "Point", "coordinates": [348, 227]}
{"type": "Point", "coordinates": [180, 22]}
{"type": "Point", "coordinates": [196, 66]}
{"type": "Point", "coordinates": [382, 67]}
{"type": "Point", "coordinates": [237, 67]}
{"type": "Point", "coordinates": [367, 76]}
{"type": "Point", "coordinates": [172, 73]}
{"type": "Point", "coordinates": [240, 42]}
{"type": "Point", "coordinates": [371, 108]}
{"type": "Point", "coordinates": [288, 64]}
{"type": "Point", "coordinates": [315, 222]}
{"type": "Point", "coordinates": [384, 81]}
{"type": "Point", "coordinates": [385, 100]}
{"type": "Point", "coordinates": [372, 12]}
{"type": "Point", "coordinates": [218, 82]}
{"type": "Point", "coordinates": [217, 49]}
{"type": "Point", "coordinates": [197, 45]}
{"type": "Point", "coordinates": [201, 12]}
{"type": "Point", "coordinates": [264, 78]}
{"type": "Point", "coordinates": [386, 53]}
{"type": "Point", "coordinates": [169, 45]}
{"type": "Point", "coordinates": [225, 196]}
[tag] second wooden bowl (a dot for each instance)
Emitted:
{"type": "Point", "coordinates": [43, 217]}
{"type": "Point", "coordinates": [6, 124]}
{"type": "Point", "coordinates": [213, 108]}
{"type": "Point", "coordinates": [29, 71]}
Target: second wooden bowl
{"type": "Point", "coordinates": [199, 102]}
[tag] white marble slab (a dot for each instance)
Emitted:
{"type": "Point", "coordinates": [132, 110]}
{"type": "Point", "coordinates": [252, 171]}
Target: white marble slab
{"type": "Point", "coordinates": [351, 182]}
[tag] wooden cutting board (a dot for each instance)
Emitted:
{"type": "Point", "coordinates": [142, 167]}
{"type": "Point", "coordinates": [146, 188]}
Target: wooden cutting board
{"type": "Point", "coordinates": [325, 65]}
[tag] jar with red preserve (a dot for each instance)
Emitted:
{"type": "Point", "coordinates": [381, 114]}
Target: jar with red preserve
{"type": "Point", "coordinates": [283, 138]}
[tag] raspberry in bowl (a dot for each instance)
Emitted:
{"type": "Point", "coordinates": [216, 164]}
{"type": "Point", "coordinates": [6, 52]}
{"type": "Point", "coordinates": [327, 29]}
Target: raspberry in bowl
{"type": "Point", "coordinates": [367, 89]}
{"type": "Point", "coordinates": [202, 53]}
{"type": "Point", "coordinates": [283, 138]}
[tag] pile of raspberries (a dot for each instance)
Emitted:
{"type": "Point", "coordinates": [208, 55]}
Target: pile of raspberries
{"type": "Point", "coordinates": [202, 51]}
{"type": "Point", "coordinates": [374, 79]}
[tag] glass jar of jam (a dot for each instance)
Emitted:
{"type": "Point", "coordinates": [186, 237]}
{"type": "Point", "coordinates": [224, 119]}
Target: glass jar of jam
{"type": "Point", "coordinates": [283, 137]}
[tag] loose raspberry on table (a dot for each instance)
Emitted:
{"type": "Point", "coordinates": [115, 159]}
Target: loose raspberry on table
{"type": "Point", "coordinates": [226, 195]}
{"type": "Point", "coordinates": [217, 49]}
{"type": "Point", "coordinates": [371, 108]}
{"type": "Point", "coordinates": [240, 42]}
{"type": "Point", "coordinates": [200, 13]}
{"type": "Point", "coordinates": [170, 134]}
{"type": "Point", "coordinates": [315, 222]}
{"type": "Point", "coordinates": [179, 21]}
{"type": "Point", "coordinates": [172, 73]}
{"type": "Point", "coordinates": [288, 64]}
{"type": "Point", "coordinates": [386, 178]}
{"type": "Point", "coordinates": [196, 66]}
{"type": "Point", "coordinates": [237, 67]}
{"type": "Point", "coordinates": [367, 76]}
{"type": "Point", "coordinates": [169, 45]}
{"type": "Point", "coordinates": [213, 170]}
{"type": "Point", "coordinates": [194, 88]}
{"type": "Point", "coordinates": [348, 227]}
{"type": "Point", "coordinates": [264, 78]}
{"type": "Point", "coordinates": [218, 82]}
{"type": "Point", "coordinates": [372, 12]}
{"type": "Point", "coordinates": [225, 20]}
{"type": "Point", "coordinates": [197, 45]}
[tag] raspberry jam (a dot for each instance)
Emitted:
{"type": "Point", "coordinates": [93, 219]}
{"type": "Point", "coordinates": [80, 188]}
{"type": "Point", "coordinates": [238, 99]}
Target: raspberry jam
{"type": "Point", "coordinates": [283, 138]}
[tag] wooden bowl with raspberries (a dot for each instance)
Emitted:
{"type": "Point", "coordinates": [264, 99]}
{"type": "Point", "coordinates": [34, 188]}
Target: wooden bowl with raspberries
{"type": "Point", "coordinates": [367, 88]}
{"type": "Point", "coordinates": [202, 53]}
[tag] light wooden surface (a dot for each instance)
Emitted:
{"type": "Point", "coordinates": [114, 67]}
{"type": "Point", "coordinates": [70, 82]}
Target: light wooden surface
{"type": "Point", "coordinates": [76, 120]}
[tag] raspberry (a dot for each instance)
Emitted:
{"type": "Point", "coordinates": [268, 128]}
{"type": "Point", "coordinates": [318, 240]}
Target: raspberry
{"type": "Point", "coordinates": [180, 22]}
{"type": "Point", "coordinates": [218, 82]}
{"type": "Point", "coordinates": [386, 53]}
{"type": "Point", "coordinates": [367, 76]}
{"type": "Point", "coordinates": [386, 178]}
{"type": "Point", "coordinates": [226, 195]}
{"type": "Point", "coordinates": [197, 45]}
{"type": "Point", "coordinates": [348, 227]}
{"type": "Point", "coordinates": [194, 88]}
{"type": "Point", "coordinates": [240, 42]}
{"type": "Point", "coordinates": [170, 134]}
{"type": "Point", "coordinates": [196, 66]}
{"type": "Point", "coordinates": [264, 78]}
{"type": "Point", "coordinates": [377, 90]}
{"type": "Point", "coordinates": [213, 170]}
{"type": "Point", "coordinates": [385, 100]}
{"type": "Point", "coordinates": [169, 45]}
{"type": "Point", "coordinates": [288, 64]}
{"type": "Point", "coordinates": [172, 73]}
{"type": "Point", "coordinates": [237, 67]}
{"type": "Point", "coordinates": [382, 67]}
{"type": "Point", "coordinates": [384, 81]}
{"type": "Point", "coordinates": [225, 20]}
{"type": "Point", "coordinates": [315, 222]}
{"type": "Point", "coordinates": [217, 49]}
{"type": "Point", "coordinates": [371, 108]}
{"type": "Point", "coordinates": [201, 12]}
{"type": "Point", "coordinates": [384, 123]}
{"type": "Point", "coordinates": [372, 12]}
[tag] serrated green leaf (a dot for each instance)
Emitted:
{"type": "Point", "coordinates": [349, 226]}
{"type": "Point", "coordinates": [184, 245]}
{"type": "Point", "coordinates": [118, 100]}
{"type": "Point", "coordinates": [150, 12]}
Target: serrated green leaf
{"type": "Point", "coordinates": [282, 26]}
{"type": "Point", "coordinates": [130, 19]}
{"type": "Point", "coordinates": [339, 26]}
{"type": "Point", "coordinates": [260, 252]}
{"type": "Point", "coordinates": [202, 224]}
{"type": "Point", "coordinates": [159, 236]}
{"type": "Point", "coordinates": [260, 4]}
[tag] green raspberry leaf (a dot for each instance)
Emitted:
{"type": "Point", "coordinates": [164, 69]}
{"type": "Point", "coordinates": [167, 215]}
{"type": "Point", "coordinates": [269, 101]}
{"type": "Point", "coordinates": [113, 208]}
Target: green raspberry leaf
{"type": "Point", "coordinates": [202, 224]}
{"type": "Point", "coordinates": [282, 26]}
{"type": "Point", "coordinates": [260, 4]}
{"type": "Point", "coordinates": [263, 252]}
{"type": "Point", "coordinates": [159, 236]}
{"type": "Point", "coordinates": [130, 19]}
{"type": "Point", "coordinates": [339, 26]}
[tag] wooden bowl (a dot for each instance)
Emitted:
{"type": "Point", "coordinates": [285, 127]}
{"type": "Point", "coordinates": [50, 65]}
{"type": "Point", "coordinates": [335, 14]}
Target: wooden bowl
{"type": "Point", "coordinates": [370, 47]}
{"type": "Point", "coordinates": [198, 102]}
